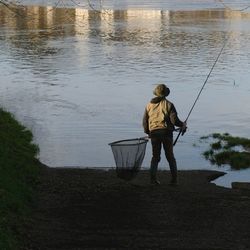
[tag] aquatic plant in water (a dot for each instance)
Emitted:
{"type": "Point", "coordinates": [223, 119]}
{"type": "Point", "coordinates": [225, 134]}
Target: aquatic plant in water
{"type": "Point", "coordinates": [227, 149]}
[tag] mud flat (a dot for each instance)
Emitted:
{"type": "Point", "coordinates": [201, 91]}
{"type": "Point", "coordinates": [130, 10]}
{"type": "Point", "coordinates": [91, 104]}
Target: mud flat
{"type": "Point", "coordinates": [93, 209]}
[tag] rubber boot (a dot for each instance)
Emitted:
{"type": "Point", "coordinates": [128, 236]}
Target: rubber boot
{"type": "Point", "coordinates": [153, 172]}
{"type": "Point", "coordinates": [173, 170]}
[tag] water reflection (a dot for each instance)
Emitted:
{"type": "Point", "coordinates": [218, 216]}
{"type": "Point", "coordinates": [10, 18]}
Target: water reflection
{"type": "Point", "coordinates": [72, 20]}
{"type": "Point", "coordinates": [32, 30]}
{"type": "Point", "coordinates": [80, 78]}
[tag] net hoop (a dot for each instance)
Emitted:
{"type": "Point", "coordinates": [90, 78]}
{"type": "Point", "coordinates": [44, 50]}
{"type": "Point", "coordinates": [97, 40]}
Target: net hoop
{"type": "Point", "coordinates": [128, 155]}
{"type": "Point", "coordinates": [141, 141]}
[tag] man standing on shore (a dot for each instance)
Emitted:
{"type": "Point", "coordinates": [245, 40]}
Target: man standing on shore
{"type": "Point", "coordinates": [159, 120]}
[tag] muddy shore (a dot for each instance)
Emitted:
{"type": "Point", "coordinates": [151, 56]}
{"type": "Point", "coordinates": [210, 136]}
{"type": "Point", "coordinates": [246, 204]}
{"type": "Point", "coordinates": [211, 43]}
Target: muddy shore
{"type": "Point", "coordinates": [93, 209]}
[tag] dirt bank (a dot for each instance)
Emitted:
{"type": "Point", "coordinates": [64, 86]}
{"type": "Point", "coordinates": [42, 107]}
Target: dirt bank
{"type": "Point", "coordinates": [92, 209]}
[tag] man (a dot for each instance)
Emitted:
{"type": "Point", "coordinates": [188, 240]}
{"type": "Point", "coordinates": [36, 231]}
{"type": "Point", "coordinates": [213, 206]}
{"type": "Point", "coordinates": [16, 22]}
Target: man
{"type": "Point", "coordinates": [159, 121]}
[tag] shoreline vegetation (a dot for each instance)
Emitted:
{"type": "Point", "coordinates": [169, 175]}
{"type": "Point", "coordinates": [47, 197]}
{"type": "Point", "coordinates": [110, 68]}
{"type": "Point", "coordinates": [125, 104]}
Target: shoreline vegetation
{"type": "Point", "coordinates": [48, 208]}
{"type": "Point", "coordinates": [19, 170]}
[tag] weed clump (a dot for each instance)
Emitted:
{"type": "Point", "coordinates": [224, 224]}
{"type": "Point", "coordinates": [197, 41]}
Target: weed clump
{"type": "Point", "coordinates": [227, 149]}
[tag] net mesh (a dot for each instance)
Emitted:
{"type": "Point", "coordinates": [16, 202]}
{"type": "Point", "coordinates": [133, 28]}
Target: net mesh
{"type": "Point", "coordinates": [128, 155]}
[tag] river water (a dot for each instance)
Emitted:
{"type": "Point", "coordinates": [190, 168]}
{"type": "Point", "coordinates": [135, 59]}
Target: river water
{"type": "Point", "coordinates": [80, 76]}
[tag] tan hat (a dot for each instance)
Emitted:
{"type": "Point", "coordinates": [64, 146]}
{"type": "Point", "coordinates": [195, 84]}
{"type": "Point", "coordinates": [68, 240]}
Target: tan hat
{"type": "Point", "coordinates": [161, 90]}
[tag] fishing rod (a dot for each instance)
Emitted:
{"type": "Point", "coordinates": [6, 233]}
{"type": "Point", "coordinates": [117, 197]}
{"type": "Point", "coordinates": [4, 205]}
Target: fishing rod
{"type": "Point", "coordinates": [181, 132]}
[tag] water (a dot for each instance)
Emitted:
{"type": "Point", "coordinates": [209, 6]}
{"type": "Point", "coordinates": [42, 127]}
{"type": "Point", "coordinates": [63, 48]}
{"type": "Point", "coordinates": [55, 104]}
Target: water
{"type": "Point", "coordinates": [80, 78]}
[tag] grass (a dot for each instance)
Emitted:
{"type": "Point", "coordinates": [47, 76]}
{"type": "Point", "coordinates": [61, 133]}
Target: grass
{"type": "Point", "coordinates": [19, 170]}
{"type": "Point", "coordinates": [222, 150]}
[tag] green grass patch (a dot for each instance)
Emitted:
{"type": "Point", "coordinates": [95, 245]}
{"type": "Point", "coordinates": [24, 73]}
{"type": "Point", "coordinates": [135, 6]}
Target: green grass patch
{"type": "Point", "coordinates": [222, 150]}
{"type": "Point", "coordinates": [216, 145]}
{"type": "Point", "coordinates": [19, 170]}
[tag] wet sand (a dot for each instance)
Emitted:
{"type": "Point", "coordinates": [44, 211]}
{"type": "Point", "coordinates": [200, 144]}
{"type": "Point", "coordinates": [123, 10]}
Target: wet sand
{"type": "Point", "coordinates": [93, 209]}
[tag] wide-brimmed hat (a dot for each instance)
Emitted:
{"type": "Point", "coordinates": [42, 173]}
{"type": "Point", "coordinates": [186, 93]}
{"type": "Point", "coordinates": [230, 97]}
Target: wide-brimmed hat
{"type": "Point", "coordinates": [161, 90]}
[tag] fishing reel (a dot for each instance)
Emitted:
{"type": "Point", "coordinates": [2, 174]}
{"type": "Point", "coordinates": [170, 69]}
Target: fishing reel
{"type": "Point", "coordinates": [182, 131]}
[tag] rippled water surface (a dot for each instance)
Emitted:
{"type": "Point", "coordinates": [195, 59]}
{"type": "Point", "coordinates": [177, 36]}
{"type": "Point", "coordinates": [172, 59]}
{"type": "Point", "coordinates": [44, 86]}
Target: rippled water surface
{"type": "Point", "coordinates": [80, 78]}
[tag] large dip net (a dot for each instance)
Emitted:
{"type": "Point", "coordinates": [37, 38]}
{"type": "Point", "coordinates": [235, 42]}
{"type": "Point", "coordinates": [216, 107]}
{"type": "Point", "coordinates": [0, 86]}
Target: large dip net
{"type": "Point", "coordinates": [128, 155]}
